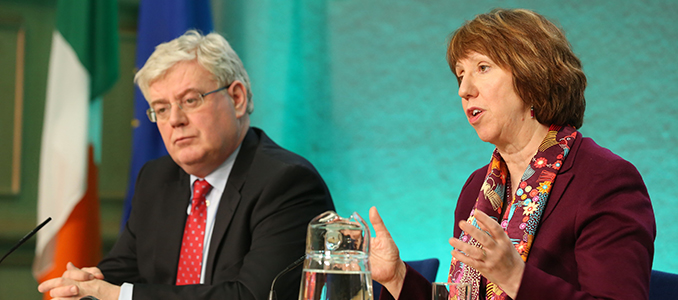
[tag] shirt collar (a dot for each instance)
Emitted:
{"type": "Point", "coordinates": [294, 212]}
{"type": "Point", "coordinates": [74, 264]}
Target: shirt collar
{"type": "Point", "coordinates": [218, 178]}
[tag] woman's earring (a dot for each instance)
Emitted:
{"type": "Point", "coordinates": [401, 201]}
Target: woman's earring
{"type": "Point", "coordinates": [532, 112]}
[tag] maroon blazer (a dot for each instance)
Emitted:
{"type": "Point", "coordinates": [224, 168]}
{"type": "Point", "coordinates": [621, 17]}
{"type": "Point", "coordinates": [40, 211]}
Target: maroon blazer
{"type": "Point", "coordinates": [595, 239]}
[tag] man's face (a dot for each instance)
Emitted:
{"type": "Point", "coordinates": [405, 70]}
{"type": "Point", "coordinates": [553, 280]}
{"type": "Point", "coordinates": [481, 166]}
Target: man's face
{"type": "Point", "coordinates": [199, 141]}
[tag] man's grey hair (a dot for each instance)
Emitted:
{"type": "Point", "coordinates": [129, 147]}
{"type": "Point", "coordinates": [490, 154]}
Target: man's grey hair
{"type": "Point", "coordinates": [211, 51]}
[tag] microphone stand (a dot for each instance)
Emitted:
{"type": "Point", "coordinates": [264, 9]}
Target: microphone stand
{"type": "Point", "coordinates": [25, 238]}
{"type": "Point", "coordinates": [296, 263]}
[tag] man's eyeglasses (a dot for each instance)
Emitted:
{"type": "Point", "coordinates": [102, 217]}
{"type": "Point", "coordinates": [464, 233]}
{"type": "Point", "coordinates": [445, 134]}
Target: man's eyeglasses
{"type": "Point", "coordinates": [191, 101]}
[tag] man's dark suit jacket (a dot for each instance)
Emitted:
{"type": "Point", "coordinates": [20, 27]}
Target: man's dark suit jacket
{"type": "Point", "coordinates": [260, 227]}
{"type": "Point", "coordinates": [595, 239]}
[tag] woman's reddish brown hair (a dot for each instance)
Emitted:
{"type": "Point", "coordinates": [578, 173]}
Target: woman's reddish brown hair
{"type": "Point", "coordinates": [547, 75]}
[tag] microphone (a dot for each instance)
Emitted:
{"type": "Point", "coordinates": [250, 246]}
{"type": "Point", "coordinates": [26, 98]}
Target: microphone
{"type": "Point", "coordinates": [26, 237]}
{"type": "Point", "coordinates": [296, 263]}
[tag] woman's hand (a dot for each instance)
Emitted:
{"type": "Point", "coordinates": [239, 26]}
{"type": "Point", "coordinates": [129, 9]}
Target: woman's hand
{"type": "Point", "coordinates": [385, 263]}
{"type": "Point", "coordinates": [497, 259]}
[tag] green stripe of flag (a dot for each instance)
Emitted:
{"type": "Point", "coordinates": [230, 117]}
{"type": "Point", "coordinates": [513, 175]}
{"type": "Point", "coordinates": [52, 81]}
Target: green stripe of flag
{"type": "Point", "coordinates": [89, 26]}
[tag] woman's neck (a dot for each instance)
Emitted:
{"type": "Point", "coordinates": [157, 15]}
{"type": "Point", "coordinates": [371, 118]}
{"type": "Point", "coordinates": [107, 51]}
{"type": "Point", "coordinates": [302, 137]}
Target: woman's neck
{"type": "Point", "coordinates": [519, 152]}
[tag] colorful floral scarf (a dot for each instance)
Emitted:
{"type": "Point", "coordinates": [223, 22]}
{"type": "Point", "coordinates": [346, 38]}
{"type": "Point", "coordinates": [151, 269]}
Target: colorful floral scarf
{"type": "Point", "coordinates": [520, 219]}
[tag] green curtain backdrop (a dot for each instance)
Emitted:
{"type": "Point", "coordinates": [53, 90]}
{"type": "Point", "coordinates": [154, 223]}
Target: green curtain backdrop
{"type": "Point", "coordinates": [362, 89]}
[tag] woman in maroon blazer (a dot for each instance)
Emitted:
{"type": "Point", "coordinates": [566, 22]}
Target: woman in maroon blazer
{"type": "Point", "coordinates": [553, 215]}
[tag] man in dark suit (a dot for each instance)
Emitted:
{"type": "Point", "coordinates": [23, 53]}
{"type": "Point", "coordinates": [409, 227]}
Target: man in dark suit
{"type": "Point", "coordinates": [227, 212]}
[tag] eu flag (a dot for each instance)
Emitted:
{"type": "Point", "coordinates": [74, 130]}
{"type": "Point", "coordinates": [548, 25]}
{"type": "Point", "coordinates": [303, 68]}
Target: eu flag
{"type": "Point", "coordinates": [159, 21]}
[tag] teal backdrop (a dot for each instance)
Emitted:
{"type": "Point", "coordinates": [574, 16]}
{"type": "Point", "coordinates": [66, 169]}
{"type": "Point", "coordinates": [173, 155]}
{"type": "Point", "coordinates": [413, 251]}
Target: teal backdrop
{"type": "Point", "coordinates": [362, 89]}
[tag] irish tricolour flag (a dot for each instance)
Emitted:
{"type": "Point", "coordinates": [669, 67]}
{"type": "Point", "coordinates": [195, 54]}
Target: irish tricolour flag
{"type": "Point", "coordinates": [83, 65]}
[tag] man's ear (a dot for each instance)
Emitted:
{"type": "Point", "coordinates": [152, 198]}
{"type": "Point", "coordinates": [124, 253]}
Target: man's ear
{"type": "Point", "coordinates": [238, 94]}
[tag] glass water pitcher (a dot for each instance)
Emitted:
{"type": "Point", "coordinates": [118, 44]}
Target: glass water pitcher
{"type": "Point", "coordinates": [337, 259]}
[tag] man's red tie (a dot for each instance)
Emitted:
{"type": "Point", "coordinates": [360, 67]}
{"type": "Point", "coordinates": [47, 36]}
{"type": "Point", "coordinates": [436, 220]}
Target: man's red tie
{"type": "Point", "coordinates": [190, 261]}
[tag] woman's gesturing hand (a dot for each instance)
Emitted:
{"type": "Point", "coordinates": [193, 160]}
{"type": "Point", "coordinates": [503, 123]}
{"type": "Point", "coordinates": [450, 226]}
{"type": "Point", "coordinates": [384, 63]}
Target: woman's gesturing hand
{"type": "Point", "coordinates": [496, 259]}
{"type": "Point", "coordinates": [385, 263]}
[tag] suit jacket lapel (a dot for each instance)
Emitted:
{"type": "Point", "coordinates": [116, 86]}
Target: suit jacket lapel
{"type": "Point", "coordinates": [563, 179]}
{"type": "Point", "coordinates": [175, 197]}
{"type": "Point", "coordinates": [230, 198]}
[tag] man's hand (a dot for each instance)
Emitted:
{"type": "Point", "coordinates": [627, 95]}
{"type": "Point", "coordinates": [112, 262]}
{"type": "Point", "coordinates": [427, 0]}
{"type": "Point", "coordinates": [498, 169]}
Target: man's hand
{"type": "Point", "coordinates": [84, 274]}
{"type": "Point", "coordinates": [76, 283]}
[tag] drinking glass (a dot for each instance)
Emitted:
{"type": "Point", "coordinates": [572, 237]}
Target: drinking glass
{"type": "Point", "coordinates": [451, 291]}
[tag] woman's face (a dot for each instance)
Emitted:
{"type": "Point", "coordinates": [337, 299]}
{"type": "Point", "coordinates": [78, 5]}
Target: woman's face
{"type": "Point", "coordinates": [489, 99]}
